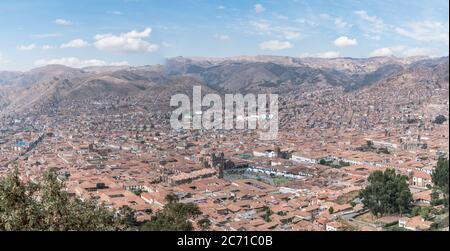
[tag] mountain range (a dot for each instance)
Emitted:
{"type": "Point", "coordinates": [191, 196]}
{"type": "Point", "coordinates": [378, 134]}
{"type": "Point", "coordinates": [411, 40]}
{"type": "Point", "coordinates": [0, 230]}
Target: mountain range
{"type": "Point", "coordinates": [56, 86]}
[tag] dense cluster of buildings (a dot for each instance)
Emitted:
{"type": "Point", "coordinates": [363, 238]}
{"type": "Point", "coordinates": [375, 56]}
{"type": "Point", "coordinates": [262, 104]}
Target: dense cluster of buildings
{"type": "Point", "coordinates": [308, 179]}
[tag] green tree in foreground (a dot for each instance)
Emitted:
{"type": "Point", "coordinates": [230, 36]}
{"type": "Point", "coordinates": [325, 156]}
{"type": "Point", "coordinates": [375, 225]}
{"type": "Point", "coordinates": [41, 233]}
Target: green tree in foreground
{"type": "Point", "coordinates": [387, 193]}
{"type": "Point", "coordinates": [204, 223]}
{"type": "Point", "coordinates": [174, 217]}
{"type": "Point", "coordinates": [440, 175]}
{"type": "Point", "coordinates": [440, 180]}
{"type": "Point", "coordinates": [47, 207]}
{"type": "Point", "coordinates": [171, 198]}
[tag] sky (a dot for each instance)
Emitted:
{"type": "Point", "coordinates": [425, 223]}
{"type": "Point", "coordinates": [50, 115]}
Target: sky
{"type": "Point", "coordinates": [140, 32]}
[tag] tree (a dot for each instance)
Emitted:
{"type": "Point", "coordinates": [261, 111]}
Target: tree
{"type": "Point", "coordinates": [424, 212]}
{"type": "Point", "coordinates": [171, 198]}
{"type": "Point", "coordinates": [440, 180]}
{"type": "Point", "coordinates": [415, 211]}
{"type": "Point", "coordinates": [128, 215]}
{"type": "Point", "coordinates": [18, 209]}
{"type": "Point", "coordinates": [47, 207]}
{"type": "Point", "coordinates": [162, 221]}
{"type": "Point", "coordinates": [440, 175]}
{"type": "Point", "coordinates": [440, 119]}
{"type": "Point", "coordinates": [387, 193]}
{"type": "Point", "coordinates": [435, 198]}
{"type": "Point", "coordinates": [174, 217]}
{"type": "Point", "coordinates": [331, 210]}
{"type": "Point", "coordinates": [204, 224]}
{"type": "Point", "coordinates": [267, 214]}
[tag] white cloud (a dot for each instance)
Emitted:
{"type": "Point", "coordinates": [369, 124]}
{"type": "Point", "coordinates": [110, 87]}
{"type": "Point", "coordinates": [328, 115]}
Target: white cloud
{"type": "Point", "coordinates": [388, 51]}
{"type": "Point", "coordinates": [404, 51]}
{"type": "Point", "coordinates": [411, 52]}
{"type": "Point", "coordinates": [76, 43]}
{"type": "Point", "coordinates": [382, 52]}
{"type": "Point", "coordinates": [324, 16]}
{"type": "Point", "coordinates": [291, 34]}
{"type": "Point", "coordinates": [374, 37]}
{"type": "Point", "coordinates": [363, 15]}
{"type": "Point", "coordinates": [338, 21]}
{"type": "Point", "coordinates": [345, 41]}
{"type": "Point", "coordinates": [261, 25]}
{"type": "Point", "coordinates": [306, 55]}
{"type": "Point", "coordinates": [426, 31]}
{"type": "Point", "coordinates": [220, 7]}
{"type": "Point", "coordinates": [329, 54]}
{"type": "Point", "coordinates": [222, 37]}
{"type": "Point", "coordinates": [376, 24]}
{"type": "Point", "coordinates": [326, 54]}
{"type": "Point", "coordinates": [77, 63]}
{"type": "Point", "coordinates": [47, 47]}
{"type": "Point", "coordinates": [166, 44]}
{"type": "Point", "coordinates": [305, 21]}
{"type": "Point", "coordinates": [341, 24]}
{"type": "Point", "coordinates": [259, 8]}
{"type": "Point", "coordinates": [47, 35]}
{"type": "Point", "coordinates": [130, 42]}
{"type": "Point", "coordinates": [281, 17]}
{"type": "Point", "coordinates": [264, 27]}
{"type": "Point", "coordinates": [63, 22]}
{"type": "Point", "coordinates": [275, 45]}
{"type": "Point", "coordinates": [117, 13]}
{"type": "Point", "coordinates": [26, 47]}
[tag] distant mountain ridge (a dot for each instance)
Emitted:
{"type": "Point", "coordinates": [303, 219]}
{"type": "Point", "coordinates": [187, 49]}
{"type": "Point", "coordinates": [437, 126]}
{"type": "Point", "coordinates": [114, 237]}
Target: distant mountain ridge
{"type": "Point", "coordinates": [55, 85]}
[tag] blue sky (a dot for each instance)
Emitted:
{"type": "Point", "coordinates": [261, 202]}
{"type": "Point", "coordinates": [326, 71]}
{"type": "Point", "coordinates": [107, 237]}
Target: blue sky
{"type": "Point", "coordinates": [138, 32]}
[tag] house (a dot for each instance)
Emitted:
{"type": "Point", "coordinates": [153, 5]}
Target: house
{"type": "Point", "coordinates": [416, 223]}
{"type": "Point", "coordinates": [302, 215]}
{"type": "Point", "coordinates": [314, 210]}
{"type": "Point", "coordinates": [264, 153]}
{"type": "Point", "coordinates": [320, 223]}
{"type": "Point", "coordinates": [304, 226]}
{"type": "Point", "coordinates": [343, 209]}
{"type": "Point", "coordinates": [300, 157]}
{"type": "Point", "coordinates": [423, 198]}
{"type": "Point", "coordinates": [420, 179]}
{"type": "Point", "coordinates": [333, 226]}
